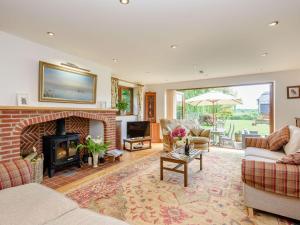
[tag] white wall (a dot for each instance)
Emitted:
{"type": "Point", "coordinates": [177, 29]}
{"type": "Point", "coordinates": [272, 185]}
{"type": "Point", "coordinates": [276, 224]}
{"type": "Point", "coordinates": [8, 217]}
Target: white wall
{"type": "Point", "coordinates": [124, 120]}
{"type": "Point", "coordinates": [19, 64]}
{"type": "Point", "coordinates": [285, 109]}
{"type": "Point", "coordinates": [96, 129]}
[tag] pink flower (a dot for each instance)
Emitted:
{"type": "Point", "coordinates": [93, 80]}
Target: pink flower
{"type": "Point", "coordinates": [172, 215]}
{"type": "Point", "coordinates": [178, 133]}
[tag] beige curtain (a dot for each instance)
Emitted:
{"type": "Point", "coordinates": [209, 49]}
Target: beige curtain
{"type": "Point", "coordinates": [114, 91]}
{"type": "Point", "coordinates": [140, 102]}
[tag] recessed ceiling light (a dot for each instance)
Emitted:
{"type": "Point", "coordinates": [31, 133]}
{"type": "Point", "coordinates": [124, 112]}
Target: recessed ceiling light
{"type": "Point", "coordinates": [124, 2]}
{"type": "Point", "coordinates": [173, 46]}
{"type": "Point", "coordinates": [274, 23]}
{"type": "Point", "coordinates": [50, 33]}
{"type": "Point", "coordinates": [115, 60]}
{"type": "Point", "coordinates": [264, 54]}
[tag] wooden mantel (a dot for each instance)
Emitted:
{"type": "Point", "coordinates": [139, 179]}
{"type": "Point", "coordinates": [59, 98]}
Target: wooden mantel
{"type": "Point", "coordinates": [54, 108]}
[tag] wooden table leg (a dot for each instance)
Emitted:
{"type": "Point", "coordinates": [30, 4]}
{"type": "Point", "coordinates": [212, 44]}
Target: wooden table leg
{"type": "Point", "coordinates": [200, 162]}
{"type": "Point", "coordinates": [185, 174]}
{"type": "Point", "coordinates": [161, 169]}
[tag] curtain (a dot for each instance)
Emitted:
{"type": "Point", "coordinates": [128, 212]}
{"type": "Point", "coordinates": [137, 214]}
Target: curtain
{"type": "Point", "coordinates": [114, 91]}
{"type": "Point", "coordinates": [140, 102]}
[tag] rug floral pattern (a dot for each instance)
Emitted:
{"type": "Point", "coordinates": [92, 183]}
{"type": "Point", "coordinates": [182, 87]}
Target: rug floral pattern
{"type": "Point", "coordinates": [136, 195]}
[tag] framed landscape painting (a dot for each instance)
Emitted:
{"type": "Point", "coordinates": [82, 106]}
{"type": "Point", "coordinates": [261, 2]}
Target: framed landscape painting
{"type": "Point", "coordinates": [61, 84]}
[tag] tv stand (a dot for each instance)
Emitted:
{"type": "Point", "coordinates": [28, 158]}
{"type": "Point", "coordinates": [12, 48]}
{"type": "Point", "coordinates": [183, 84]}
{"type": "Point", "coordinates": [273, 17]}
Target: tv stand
{"type": "Point", "coordinates": [141, 145]}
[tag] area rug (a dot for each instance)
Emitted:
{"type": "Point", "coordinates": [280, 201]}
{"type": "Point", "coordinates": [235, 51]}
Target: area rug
{"type": "Point", "coordinates": [136, 195]}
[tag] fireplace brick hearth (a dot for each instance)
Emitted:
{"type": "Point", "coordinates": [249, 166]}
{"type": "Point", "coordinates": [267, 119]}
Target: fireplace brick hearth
{"type": "Point", "coordinates": [15, 121]}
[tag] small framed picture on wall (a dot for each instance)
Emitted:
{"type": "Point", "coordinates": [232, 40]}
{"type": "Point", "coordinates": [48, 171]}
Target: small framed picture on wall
{"type": "Point", "coordinates": [293, 92]}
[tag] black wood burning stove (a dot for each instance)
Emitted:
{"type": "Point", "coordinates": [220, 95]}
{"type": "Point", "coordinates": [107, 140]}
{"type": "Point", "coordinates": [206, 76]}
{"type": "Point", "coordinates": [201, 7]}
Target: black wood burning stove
{"type": "Point", "coordinates": [60, 149]}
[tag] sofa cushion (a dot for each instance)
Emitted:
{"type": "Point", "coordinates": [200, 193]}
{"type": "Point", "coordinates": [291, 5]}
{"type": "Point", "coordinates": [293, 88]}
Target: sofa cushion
{"type": "Point", "coordinates": [294, 143]}
{"type": "Point", "coordinates": [264, 153]}
{"type": "Point", "coordinates": [259, 159]}
{"type": "Point", "coordinates": [199, 140]}
{"type": "Point", "coordinates": [86, 217]}
{"type": "Point", "coordinates": [32, 204]}
{"type": "Point", "coordinates": [14, 173]}
{"type": "Point", "coordinates": [279, 138]}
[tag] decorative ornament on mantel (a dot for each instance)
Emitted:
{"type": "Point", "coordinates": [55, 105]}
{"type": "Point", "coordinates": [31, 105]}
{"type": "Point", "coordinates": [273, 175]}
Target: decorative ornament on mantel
{"type": "Point", "coordinates": [22, 99]}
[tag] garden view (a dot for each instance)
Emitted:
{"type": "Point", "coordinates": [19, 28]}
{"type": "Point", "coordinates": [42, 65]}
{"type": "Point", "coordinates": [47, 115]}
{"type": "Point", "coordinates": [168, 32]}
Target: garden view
{"type": "Point", "coordinates": [248, 112]}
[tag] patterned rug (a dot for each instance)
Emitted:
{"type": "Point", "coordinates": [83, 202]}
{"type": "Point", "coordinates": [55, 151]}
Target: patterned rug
{"type": "Point", "coordinates": [135, 193]}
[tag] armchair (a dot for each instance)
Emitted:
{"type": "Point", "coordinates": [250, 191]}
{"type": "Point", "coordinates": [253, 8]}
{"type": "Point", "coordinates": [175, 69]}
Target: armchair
{"type": "Point", "coordinates": [199, 137]}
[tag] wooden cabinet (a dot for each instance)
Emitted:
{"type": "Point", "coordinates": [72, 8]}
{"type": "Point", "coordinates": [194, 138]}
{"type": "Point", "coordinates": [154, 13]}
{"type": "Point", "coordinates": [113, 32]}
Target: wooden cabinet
{"type": "Point", "coordinates": [150, 107]}
{"type": "Point", "coordinates": [155, 133]}
{"type": "Point", "coordinates": [297, 121]}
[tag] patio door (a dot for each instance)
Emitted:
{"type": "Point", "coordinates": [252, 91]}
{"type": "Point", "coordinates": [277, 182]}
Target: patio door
{"type": "Point", "coordinates": [180, 105]}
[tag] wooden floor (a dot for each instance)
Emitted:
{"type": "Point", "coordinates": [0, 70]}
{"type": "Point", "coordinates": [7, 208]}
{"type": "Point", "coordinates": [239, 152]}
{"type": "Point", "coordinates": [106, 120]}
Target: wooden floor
{"type": "Point", "coordinates": [72, 177]}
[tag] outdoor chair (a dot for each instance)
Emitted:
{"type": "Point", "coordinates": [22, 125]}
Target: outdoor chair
{"type": "Point", "coordinates": [228, 137]}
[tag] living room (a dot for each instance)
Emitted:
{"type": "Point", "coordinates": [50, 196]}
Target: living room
{"type": "Point", "coordinates": [89, 125]}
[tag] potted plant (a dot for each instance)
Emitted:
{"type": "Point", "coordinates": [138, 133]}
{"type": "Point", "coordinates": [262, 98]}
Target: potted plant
{"type": "Point", "coordinates": [95, 147]}
{"type": "Point", "coordinates": [122, 106]}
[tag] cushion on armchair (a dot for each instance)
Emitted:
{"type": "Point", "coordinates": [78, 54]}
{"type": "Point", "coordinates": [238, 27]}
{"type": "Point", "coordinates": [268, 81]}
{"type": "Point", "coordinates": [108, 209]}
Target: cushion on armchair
{"type": "Point", "coordinates": [196, 131]}
{"type": "Point", "coordinates": [199, 140]}
{"type": "Point", "coordinates": [15, 173]}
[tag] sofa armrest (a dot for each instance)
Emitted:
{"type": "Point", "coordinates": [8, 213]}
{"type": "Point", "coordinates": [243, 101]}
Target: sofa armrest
{"type": "Point", "coordinates": [283, 179]}
{"type": "Point", "coordinates": [15, 173]}
{"type": "Point", "coordinates": [257, 142]}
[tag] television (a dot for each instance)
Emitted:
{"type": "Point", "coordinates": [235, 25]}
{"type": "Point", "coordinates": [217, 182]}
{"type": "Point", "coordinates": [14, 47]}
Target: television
{"type": "Point", "coordinates": [138, 129]}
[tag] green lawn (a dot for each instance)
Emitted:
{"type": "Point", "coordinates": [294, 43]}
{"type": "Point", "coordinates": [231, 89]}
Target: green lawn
{"type": "Point", "coordinates": [240, 125]}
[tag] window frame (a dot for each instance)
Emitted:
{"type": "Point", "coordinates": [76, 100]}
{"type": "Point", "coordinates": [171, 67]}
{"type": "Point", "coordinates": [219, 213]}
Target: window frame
{"type": "Point", "coordinates": [130, 89]}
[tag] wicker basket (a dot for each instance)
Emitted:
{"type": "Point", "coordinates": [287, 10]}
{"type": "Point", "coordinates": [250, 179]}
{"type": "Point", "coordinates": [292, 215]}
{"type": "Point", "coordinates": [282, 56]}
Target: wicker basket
{"type": "Point", "coordinates": [37, 169]}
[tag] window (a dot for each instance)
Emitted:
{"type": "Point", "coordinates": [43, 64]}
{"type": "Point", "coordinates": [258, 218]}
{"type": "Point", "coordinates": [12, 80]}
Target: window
{"type": "Point", "coordinates": [126, 94]}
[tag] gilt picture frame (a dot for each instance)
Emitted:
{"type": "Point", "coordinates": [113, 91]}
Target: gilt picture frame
{"type": "Point", "coordinates": [66, 85]}
{"type": "Point", "coordinates": [293, 92]}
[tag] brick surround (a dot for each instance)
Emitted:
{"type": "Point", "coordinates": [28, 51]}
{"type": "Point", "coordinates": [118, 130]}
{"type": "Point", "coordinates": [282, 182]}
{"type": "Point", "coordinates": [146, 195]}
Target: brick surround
{"type": "Point", "coordinates": [20, 123]}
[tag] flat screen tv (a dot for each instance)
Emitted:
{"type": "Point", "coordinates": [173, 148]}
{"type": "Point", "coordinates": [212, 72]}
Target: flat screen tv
{"type": "Point", "coordinates": [138, 129]}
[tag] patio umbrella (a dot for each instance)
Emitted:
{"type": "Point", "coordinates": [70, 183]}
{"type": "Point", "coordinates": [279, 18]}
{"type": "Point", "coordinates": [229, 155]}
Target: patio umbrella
{"type": "Point", "coordinates": [214, 98]}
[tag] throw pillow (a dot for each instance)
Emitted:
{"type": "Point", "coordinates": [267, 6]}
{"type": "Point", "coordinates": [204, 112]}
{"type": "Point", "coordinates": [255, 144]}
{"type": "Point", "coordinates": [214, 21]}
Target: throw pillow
{"type": "Point", "coordinates": [279, 138]}
{"type": "Point", "coordinates": [294, 143]}
{"type": "Point", "coordinates": [205, 133]}
{"type": "Point", "coordinates": [196, 131]}
{"type": "Point", "coordinates": [293, 159]}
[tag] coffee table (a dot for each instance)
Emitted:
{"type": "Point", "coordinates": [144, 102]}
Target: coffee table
{"type": "Point", "coordinates": [177, 156]}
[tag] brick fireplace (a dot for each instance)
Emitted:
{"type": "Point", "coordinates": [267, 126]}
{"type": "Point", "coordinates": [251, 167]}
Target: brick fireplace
{"type": "Point", "coordinates": [21, 128]}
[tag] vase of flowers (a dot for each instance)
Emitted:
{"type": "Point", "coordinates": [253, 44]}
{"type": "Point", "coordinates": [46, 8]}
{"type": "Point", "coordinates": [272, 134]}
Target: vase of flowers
{"type": "Point", "coordinates": [178, 134]}
{"type": "Point", "coordinates": [94, 147]}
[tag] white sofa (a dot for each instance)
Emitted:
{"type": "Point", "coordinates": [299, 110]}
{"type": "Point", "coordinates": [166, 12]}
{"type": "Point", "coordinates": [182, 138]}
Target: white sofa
{"type": "Point", "coordinates": [35, 204]}
{"type": "Point", "coordinates": [268, 201]}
